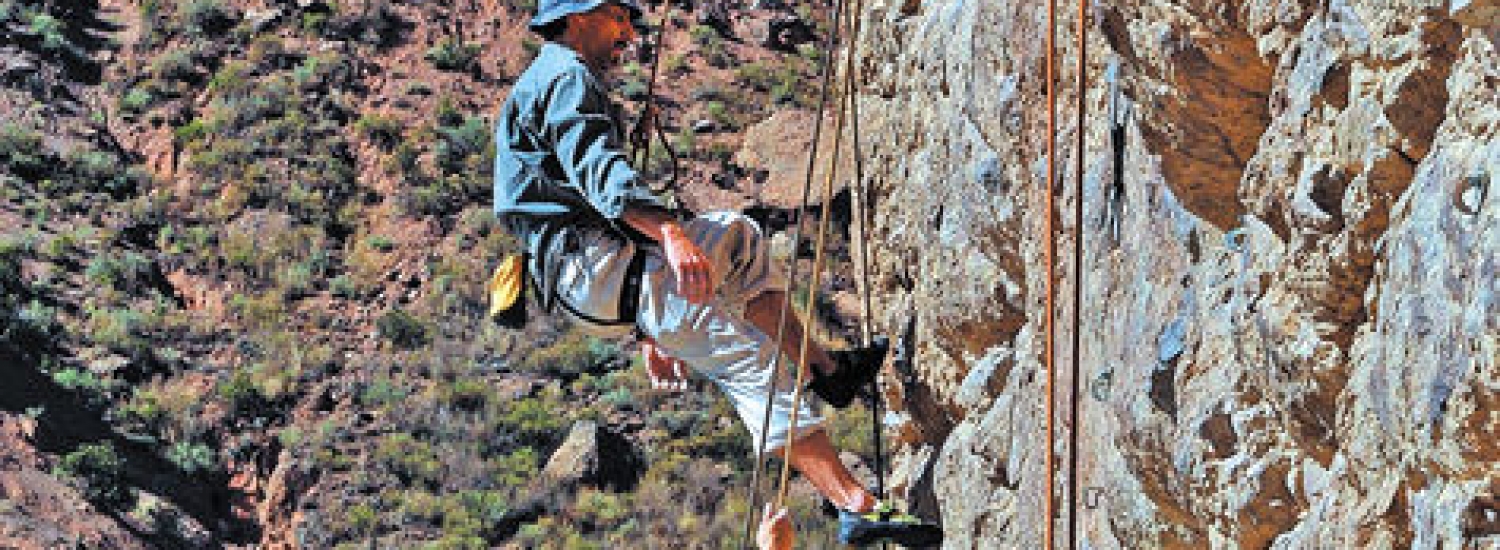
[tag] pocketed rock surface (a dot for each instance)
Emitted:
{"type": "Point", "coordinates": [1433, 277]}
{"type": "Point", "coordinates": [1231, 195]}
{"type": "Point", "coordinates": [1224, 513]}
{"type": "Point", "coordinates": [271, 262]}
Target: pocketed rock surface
{"type": "Point", "coordinates": [1289, 323]}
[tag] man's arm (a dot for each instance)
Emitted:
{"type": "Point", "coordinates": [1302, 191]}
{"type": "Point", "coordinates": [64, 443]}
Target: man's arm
{"type": "Point", "coordinates": [690, 266]}
{"type": "Point", "coordinates": [579, 129]}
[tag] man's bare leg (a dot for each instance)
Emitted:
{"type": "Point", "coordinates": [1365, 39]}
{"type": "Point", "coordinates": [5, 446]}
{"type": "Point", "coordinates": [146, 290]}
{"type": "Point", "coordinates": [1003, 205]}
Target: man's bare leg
{"type": "Point", "coordinates": [813, 456]}
{"type": "Point", "coordinates": [765, 310]}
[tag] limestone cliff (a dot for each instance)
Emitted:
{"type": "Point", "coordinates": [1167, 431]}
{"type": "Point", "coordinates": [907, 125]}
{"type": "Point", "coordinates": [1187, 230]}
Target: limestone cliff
{"type": "Point", "coordinates": [1291, 327]}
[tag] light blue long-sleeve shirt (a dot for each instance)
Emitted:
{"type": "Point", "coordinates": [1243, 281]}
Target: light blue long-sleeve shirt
{"type": "Point", "coordinates": [559, 148]}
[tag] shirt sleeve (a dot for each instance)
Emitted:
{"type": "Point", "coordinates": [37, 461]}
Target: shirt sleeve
{"type": "Point", "coordinates": [583, 137]}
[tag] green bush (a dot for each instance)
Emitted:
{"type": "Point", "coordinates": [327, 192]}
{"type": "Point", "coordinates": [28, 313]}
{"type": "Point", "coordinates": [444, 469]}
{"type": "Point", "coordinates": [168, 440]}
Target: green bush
{"type": "Point", "coordinates": [175, 65]}
{"type": "Point", "coordinates": [450, 54]}
{"type": "Point", "coordinates": [241, 395]}
{"type": "Point", "coordinates": [295, 280]}
{"type": "Point", "coordinates": [343, 286]}
{"type": "Point", "coordinates": [464, 148]}
{"type": "Point", "coordinates": [144, 413]}
{"type": "Point", "coordinates": [634, 89]}
{"type": "Point", "coordinates": [382, 393]}
{"type": "Point", "coordinates": [119, 329]}
{"type": "Point", "coordinates": [759, 75]}
{"type": "Point", "coordinates": [138, 100]}
{"type": "Point", "coordinates": [401, 329]}
{"type": "Point", "coordinates": [362, 519]}
{"type": "Point", "coordinates": [192, 457]}
{"type": "Point", "coordinates": [36, 324]}
{"type": "Point", "coordinates": [720, 113]}
{"type": "Point", "coordinates": [81, 380]}
{"type": "Point", "coordinates": [381, 243]}
{"type": "Point", "coordinates": [384, 131]}
{"type": "Point", "coordinates": [96, 171]}
{"type": "Point", "coordinates": [206, 17]}
{"type": "Point", "coordinates": [125, 272]}
{"type": "Point", "coordinates": [539, 421]}
{"type": "Point", "coordinates": [412, 460]}
{"type": "Point", "coordinates": [686, 141]}
{"type": "Point", "coordinates": [189, 134]}
{"type": "Point", "coordinates": [234, 77]}
{"type": "Point", "coordinates": [21, 150]}
{"type": "Point", "coordinates": [99, 471]}
{"type": "Point", "coordinates": [50, 29]}
{"type": "Point", "coordinates": [572, 354]}
{"type": "Point", "coordinates": [466, 394]}
{"type": "Point", "coordinates": [704, 35]}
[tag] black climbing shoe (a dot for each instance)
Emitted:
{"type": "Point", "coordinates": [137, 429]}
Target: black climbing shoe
{"type": "Point", "coordinates": [884, 524]}
{"type": "Point", "coordinates": [856, 370]}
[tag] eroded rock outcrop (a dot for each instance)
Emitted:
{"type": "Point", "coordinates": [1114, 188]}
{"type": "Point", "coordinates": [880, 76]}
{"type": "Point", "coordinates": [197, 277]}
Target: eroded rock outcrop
{"type": "Point", "coordinates": [1291, 324]}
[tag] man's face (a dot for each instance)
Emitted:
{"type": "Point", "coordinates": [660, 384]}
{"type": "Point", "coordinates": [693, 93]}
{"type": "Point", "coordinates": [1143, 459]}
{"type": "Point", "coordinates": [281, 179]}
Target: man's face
{"type": "Point", "coordinates": [602, 35]}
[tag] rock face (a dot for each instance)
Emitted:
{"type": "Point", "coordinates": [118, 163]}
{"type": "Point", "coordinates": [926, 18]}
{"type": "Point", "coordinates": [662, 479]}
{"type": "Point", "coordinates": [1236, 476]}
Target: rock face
{"type": "Point", "coordinates": [1291, 322]}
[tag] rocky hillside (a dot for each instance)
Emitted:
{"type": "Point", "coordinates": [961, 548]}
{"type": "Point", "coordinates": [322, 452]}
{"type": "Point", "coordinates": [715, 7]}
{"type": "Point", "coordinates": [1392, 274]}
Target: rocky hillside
{"type": "Point", "coordinates": [244, 242]}
{"type": "Point", "coordinates": [1290, 329]}
{"type": "Point", "coordinates": [243, 252]}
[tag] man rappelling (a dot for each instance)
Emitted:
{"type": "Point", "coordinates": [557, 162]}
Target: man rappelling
{"type": "Point", "coordinates": [701, 293]}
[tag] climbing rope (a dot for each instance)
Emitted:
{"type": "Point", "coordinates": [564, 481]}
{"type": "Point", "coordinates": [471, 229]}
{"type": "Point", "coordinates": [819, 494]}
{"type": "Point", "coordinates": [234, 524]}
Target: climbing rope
{"type": "Point", "coordinates": [817, 276]}
{"type": "Point", "coordinates": [760, 458]}
{"type": "Point", "coordinates": [650, 117]}
{"type": "Point", "coordinates": [1050, 357]}
{"type": "Point", "coordinates": [862, 210]}
{"type": "Point", "coordinates": [1077, 281]}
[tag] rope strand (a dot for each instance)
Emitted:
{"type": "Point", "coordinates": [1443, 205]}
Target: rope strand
{"type": "Point", "coordinates": [1049, 353]}
{"type": "Point", "coordinates": [1077, 280]}
{"type": "Point", "coordinates": [808, 315]}
{"type": "Point", "coordinates": [760, 458]}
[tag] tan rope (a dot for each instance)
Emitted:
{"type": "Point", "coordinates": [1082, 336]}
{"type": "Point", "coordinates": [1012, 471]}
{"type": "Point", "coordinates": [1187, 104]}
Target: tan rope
{"type": "Point", "coordinates": [1050, 511]}
{"type": "Point", "coordinates": [1073, 401]}
{"type": "Point", "coordinates": [808, 315]}
{"type": "Point", "coordinates": [760, 457]}
{"type": "Point", "coordinates": [861, 209]}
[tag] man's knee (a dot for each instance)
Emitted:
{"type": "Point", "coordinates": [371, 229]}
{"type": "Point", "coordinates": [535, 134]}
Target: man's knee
{"type": "Point", "coordinates": [733, 223]}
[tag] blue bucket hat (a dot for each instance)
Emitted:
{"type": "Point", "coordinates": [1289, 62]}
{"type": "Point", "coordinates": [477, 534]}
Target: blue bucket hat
{"type": "Point", "coordinates": [548, 11]}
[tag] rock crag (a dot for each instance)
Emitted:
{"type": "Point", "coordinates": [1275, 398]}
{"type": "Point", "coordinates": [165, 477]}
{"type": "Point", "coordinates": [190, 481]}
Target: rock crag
{"type": "Point", "coordinates": [1290, 325]}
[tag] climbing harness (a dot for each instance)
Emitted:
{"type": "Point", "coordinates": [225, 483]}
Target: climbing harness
{"type": "Point", "coordinates": [508, 283]}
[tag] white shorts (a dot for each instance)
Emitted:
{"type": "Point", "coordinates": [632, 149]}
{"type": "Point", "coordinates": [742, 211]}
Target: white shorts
{"type": "Point", "coordinates": [714, 339]}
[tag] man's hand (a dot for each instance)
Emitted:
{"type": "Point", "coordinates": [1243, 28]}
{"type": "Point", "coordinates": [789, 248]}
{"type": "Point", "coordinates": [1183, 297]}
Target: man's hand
{"type": "Point", "coordinates": [775, 530]}
{"type": "Point", "coordinates": [690, 266]}
{"type": "Point", "coordinates": [665, 372]}
{"type": "Point", "coordinates": [694, 273]}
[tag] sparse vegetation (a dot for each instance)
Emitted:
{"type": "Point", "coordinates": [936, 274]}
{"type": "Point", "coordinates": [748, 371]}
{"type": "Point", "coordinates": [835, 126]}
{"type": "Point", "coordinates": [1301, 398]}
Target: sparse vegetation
{"type": "Point", "coordinates": [206, 17]}
{"type": "Point", "coordinates": [401, 329]}
{"type": "Point", "coordinates": [204, 314]}
{"type": "Point", "coordinates": [450, 54]}
{"type": "Point", "coordinates": [99, 472]}
{"type": "Point", "coordinates": [192, 457]}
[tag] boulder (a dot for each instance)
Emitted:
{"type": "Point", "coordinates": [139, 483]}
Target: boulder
{"type": "Point", "coordinates": [786, 32]}
{"type": "Point", "coordinates": [594, 455]}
